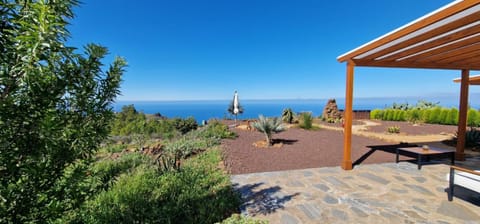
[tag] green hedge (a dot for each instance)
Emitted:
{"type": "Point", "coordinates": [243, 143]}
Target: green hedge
{"type": "Point", "coordinates": [435, 115]}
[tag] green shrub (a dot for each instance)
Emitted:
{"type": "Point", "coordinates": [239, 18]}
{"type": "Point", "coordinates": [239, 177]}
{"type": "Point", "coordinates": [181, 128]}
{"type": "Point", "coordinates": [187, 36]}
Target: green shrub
{"type": "Point", "coordinates": [129, 121]}
{"type": "Point", "coordinates": [389, 115]}
{"type": "Point", "coordinates": [426, 115]}
{"type": "Point", "coordinates": [199, 193]}
{"type": "Point", "coordinates": [393, 129]}
{"type": "Point", "coordinates": [107, 170]}
{"type": "Point", "coordinates": [185, 125]}
{"type": "Point", "coordinates": [452, 117]}
{"type": "Point", "coordinates": [215, 129]}
{"type": "Point", "coordinates": [434, 116]}
{"type": "Point", "coordinates": [306, 120]}
{"type": "Point", "coordinates": [443, 116]}
{"type": "Point", "coordinates": [113, 148]}
{"type": "Point", "coordinates": [401, 115]}
{"type": "Point", "coordinates": [133, 198]}
{"type": "Point", "coordinates": [413, 115]}
{"type": "Point", "coordinates": [161, 128]}
{"type": "Point", "coordinates": [185, 147]}
{"type": "Point", "coordinates": [473, 117]}
{"type": "Point", "coordinates": [396, 115]}
{"type": "Point", "coordinates": [376, 114]}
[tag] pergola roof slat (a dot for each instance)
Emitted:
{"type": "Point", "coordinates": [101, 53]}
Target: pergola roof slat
{"type": "Point", "coordinates": [462, 55]}
{"type": "Point", "coordinates": [458, 52]}
{"type": "Point", "coordinates": [433, 32]}
{"type": "Point", "coordinates": [414, 49]}
{"type": "Point", "coordinates": [444, 44]}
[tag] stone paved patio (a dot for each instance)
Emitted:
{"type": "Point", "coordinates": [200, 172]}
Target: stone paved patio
{"type": "Point", "coordinates": [377, 193]}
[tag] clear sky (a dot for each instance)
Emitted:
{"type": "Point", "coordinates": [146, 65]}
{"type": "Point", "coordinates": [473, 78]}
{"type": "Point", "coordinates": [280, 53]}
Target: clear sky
{"type": "Point", "coordinates": [265, 49]}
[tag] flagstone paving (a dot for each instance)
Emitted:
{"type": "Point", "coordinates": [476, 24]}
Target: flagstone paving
{"type": "Point", "coordinates": [375, 193]}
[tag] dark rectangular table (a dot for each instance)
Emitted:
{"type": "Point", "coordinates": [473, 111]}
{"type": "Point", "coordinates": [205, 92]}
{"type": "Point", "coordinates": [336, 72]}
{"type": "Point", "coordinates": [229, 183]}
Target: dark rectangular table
{"type": "Point", "coordinates": [420, 153]}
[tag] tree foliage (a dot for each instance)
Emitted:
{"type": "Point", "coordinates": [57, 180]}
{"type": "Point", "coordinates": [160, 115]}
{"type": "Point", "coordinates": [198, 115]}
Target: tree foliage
{"type": "Point", "coordinates": [55, 108]}
{"type": "Point", "coordinates": [131, 122]}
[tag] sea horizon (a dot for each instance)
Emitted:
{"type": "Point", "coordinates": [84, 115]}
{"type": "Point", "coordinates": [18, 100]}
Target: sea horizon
{"type": "Point", "coordinates": [217, 108]}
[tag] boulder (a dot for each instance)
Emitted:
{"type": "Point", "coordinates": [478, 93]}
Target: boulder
{"type": "Point", "coordinates": [331, 112]}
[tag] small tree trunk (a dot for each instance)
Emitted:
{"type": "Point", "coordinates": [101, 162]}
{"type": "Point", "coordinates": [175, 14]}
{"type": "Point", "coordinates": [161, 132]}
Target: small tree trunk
{"type": "Point", "coordinates": [269, 139]}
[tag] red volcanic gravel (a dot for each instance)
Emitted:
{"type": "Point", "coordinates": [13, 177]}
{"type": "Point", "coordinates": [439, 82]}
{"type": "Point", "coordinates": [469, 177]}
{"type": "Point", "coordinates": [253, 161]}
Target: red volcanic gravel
{"type": "Point", "coordinates": [419, 129]}
{"type": "Point", "coordinates": [301, 149]}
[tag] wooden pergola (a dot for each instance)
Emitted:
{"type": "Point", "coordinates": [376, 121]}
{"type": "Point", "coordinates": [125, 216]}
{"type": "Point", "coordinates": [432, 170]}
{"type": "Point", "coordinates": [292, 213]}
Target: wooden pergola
{"type": "Point", "coordinates": [448, 38]}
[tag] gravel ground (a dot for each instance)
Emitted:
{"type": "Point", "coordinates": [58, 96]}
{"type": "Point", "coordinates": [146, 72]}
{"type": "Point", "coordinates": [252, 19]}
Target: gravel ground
{"type": "Point", "coordinates": [310, 149]}
{"type": "Point", "coordinates": [301, 149]}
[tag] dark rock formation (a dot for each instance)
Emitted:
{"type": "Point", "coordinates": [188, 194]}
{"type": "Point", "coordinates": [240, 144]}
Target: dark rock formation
{"type": "Point", "coordinates": [331, 112]}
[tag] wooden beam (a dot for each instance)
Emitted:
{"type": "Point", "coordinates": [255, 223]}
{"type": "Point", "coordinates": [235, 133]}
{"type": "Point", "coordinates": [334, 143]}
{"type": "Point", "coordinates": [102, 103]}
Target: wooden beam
{"type": "Point", "coordinates": [409, 64]}
{"type": "Point", "coordinates": [467, 57]}
{"type": "Point", "coordinates": [348, 116]}
{"type": "Point", "coordinates": [414, 26]}
{"type": "Point", "coordinates": [462, 116]}
{"type": "Point", "coordinates": [451, 54]}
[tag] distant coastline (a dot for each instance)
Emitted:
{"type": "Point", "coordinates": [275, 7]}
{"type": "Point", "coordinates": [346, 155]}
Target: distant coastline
{"type": "Point", "coordinates": [207, 109]}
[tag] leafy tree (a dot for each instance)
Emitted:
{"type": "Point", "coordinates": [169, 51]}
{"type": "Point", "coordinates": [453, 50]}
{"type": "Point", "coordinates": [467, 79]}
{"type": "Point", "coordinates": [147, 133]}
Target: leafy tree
{"type": "Point", "coordinates": [185, 125]}
{"type": "Point", "coordinates": [55, 108]}
{"type": "Point", "coordinates": [129, 121]}
{"type": "Point", "coordinates": [288, 115]}
{"type": "Point", "coordinates": [268, 126]}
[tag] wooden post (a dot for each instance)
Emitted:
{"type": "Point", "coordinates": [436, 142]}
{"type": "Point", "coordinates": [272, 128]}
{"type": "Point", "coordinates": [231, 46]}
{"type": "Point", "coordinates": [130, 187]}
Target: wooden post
{"type": "Point", "coordinates": [347, 133]}
{"type": "Point", "coordinates": [462, 115]}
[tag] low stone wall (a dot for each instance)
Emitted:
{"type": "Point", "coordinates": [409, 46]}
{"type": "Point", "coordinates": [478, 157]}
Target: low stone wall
{"type": "Point", "coordinates": [359, 114]}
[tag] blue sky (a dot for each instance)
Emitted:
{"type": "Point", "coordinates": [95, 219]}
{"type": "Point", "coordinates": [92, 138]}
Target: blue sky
{"type": "Point", "coordinates": [265, 49]}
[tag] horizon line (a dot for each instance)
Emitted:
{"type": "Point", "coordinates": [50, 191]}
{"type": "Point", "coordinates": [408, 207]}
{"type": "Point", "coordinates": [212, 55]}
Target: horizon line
{"type": "Point", "coordinates": [278, 99]}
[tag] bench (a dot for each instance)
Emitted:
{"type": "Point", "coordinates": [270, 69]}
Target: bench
{"type": "Point", "coordinates": [466, 178]}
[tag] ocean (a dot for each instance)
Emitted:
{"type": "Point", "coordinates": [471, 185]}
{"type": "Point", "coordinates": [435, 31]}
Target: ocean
{"type": "Point", "coordinates": [208, 109]}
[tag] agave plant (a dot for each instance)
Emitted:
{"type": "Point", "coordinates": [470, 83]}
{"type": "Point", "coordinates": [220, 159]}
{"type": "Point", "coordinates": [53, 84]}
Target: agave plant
{"type": "Point", "coordinates": [288, 115]}
{"type": "Point", "coordinates": [268, 126]}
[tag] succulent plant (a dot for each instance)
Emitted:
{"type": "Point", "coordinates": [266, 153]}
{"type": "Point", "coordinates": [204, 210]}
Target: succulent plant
{"type": "Point", "coordinates": [268, 126]}
{"type": "Point", "coordinates": [393, 129]}
{"type": "Point", "coordinates": [288, 115]}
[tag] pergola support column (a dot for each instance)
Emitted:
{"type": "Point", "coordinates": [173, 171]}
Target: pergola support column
{"type": "Point", "coordinates": [348, 116]}
{"type": "Point", "coordinates": [462, 116]}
